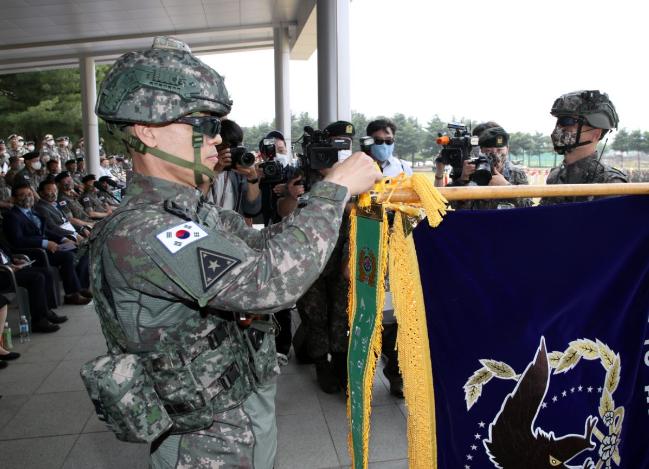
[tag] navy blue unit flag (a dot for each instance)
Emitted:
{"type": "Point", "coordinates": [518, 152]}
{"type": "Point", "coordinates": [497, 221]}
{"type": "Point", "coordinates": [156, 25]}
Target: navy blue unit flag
{"type": "Point", "coordinates": [537, 324]}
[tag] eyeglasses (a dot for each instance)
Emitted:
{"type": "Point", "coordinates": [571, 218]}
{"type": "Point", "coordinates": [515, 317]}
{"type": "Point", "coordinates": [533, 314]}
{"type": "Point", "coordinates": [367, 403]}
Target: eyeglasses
{"type": "Point", "coordinates": [207, 125]}
{"type": "Point", "coordinates": [381, 141]}
{"type": "Point", "coordinates": [567, 121]}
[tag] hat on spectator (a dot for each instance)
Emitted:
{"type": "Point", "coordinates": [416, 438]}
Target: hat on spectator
{"type": "Point", "coordinates": [61, 176]}
{"type": "Point", "coordinates": [276, 134]}
{"type": "Point", "coordinates": [88, 177]}
{"type": "Point", "coordinates": [340, 129]}
{"type": "Point", "coordinates": [495, 137]}
{"type": "Point", "coordinates": [31, 155]}
{"type": "Point", "coordinates": [62, 139]}
{"type": "Point", "coordinates": [71, 161]}
{"type": "Point", "coordinates": [30, 142]}
{"type": "Point", "coordinates": [2, 142]}
{"type": "Point", "coordinates": [12, 136]}
{"type": "Point", "coordinates": [48, 137]}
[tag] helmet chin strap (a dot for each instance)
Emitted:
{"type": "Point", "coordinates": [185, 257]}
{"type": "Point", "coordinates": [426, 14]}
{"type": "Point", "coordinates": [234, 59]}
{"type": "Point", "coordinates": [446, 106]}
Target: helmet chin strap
{"type": "Point", "coordinates": [196, 166]}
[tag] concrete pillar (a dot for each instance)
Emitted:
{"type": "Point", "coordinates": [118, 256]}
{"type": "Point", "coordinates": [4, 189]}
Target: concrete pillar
{"type": "Point", "coordinates": [282, 97]}
{"type": "Point", "coordinates": [88, 116]}
{"type": "Point", "coordinates": [333, 61]}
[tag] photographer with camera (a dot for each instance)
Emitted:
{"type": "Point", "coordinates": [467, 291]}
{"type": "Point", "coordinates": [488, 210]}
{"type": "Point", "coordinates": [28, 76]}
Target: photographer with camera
{"type": "Point", "coordinates": [236, 184]}
{"type": "Point", "coordinates": [491, 166]}
{"type": "Point", "coordinates": [323, 308]}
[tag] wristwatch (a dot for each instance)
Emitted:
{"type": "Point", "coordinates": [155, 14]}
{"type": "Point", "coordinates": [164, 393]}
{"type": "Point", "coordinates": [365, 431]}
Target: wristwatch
{"type": "Point", "coordinates": [253, 181]}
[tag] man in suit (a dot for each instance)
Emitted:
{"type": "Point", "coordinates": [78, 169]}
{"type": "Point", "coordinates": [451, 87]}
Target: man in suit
{"type": "Point", "coordinates": [39, 283]}
{"type": "Point", "coordinates": [55, 218]}
{"type": "Point", "coordinates": [26, 229]}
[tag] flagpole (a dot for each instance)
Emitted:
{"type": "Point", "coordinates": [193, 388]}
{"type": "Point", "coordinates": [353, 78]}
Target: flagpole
{"type": "Point", "coordinates": [407, 195]}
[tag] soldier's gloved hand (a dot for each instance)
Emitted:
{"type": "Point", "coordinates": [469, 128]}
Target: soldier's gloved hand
{"type": "Point", "coordinates": [358, 173]}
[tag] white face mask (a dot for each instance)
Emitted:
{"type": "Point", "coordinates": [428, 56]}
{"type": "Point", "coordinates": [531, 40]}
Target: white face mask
{"type": "Point", "coordinates": [343, 155]}
{"type": "Point", "coordinates": [30, 147]}
{"type": "Point", "coordinates": [50, 142]}
{"type": "Point", "coordinates": [37, 165]}
{"type": "Point", "coordinates": [282, 158]}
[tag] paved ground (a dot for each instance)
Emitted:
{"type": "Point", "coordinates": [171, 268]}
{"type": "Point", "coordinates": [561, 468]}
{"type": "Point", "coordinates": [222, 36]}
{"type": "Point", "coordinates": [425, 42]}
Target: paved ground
{"type": "Point", "coordinates": [48, 421]}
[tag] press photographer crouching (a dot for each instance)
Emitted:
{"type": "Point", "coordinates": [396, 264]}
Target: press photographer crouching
{"type": "Point", "coordinates": [490, 167]}
{"type": "Point", "coordinates": [236, 185]}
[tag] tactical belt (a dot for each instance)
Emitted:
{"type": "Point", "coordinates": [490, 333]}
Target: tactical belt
{"type": "Point", "coordinates": [169, 361]}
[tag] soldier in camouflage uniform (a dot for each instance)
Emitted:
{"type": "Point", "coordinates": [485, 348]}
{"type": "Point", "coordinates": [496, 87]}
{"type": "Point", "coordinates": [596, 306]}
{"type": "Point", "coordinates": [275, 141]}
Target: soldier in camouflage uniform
{"type": "Point", "coordinates": [49, 150]}
{"type": "Point", "coordinates": [89, 198]}
{"type": "Point", "coordinates": [188, 287]}
{"type": "Point", "coordinates": [16, 145]}
{"type": "Point", "coordinates": [494, 144]}
{"type": "Point", "coordinates": [583, 119]}
{"type": "Point", "coordinates": [63, 149]}
{"type": "Point", "coordinates": [32, 173]}
{"type": "Point", "coordinates": [69, 202]}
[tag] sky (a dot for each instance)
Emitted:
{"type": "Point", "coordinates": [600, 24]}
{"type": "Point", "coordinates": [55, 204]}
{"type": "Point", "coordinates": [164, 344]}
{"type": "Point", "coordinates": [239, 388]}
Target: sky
{"type": "Point", "coordinates": [498, 60]}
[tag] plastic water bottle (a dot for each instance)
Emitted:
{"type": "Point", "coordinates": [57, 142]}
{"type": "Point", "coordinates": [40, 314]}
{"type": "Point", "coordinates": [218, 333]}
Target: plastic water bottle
{"type": "Point", "coordinates": [24, 330]}
{"type": "Point", "coordinates": [6, 337]}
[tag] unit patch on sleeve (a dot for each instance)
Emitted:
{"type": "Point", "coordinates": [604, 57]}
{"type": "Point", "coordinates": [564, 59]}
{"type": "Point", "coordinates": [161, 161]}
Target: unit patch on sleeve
{"type": "Point", "coordinates": [214, 265]}
{"type": "Point", "coordinates": [179, 236]}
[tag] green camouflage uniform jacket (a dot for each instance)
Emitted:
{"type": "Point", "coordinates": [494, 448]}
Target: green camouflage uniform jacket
{"type": "Point", "coordinates": [167, 266]}
{"type": "Point", "coordinates": [33, 178]}
{"type": "Point", "coordinates": [90, 201]}
{"type": "Point", "coordinates": [588, 170]}
{"type": "Point", "coordinates": [71, 207]}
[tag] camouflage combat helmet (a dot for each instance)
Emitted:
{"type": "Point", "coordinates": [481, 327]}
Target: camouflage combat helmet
{"type": "Point", "coordinates": [594, 107]}
{"type": "Point", "coordinates": [159, 86]}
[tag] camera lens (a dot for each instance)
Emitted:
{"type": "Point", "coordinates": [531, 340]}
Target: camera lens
{"type": "Point", "coordinates": [248, 159]}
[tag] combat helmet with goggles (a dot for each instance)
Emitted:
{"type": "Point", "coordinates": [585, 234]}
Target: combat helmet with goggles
{"type": "Point", "coordinates": [163, 85]}
{"type": "Point", "coordinates": [583, 107]}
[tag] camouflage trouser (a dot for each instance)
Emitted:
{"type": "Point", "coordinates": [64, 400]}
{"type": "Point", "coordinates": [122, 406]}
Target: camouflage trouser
{"type": "Point", "coordinates": [323, 310]}
{"type": "Point", "coordinates": [242, 437]}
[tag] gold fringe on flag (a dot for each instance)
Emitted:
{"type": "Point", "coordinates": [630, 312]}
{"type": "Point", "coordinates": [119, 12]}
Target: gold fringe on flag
{"type": "Point", "coordinates": [408, 300]}
{"type": "Point", "coordinates": [414, 351]}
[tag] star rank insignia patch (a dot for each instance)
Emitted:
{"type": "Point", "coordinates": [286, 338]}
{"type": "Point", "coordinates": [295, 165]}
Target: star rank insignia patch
{"type": "Point", "coordinates": [214, 265]}
{"type": "Point", "coordinates": [179, 236]}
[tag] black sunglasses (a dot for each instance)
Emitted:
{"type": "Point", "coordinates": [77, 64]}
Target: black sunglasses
{"type": "Point", "coordinates": [568, 121]}
{"type": "Point", "coordinates": [207, 125]}
{"type": "Point", "coordinates": [381, 141]}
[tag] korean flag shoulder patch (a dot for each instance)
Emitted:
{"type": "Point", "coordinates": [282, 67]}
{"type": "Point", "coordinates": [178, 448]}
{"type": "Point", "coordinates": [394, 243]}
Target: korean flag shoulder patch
{"type": "Point", "coordinates": [214, 265]}
{"type": "Point", "coordinates": [179, 236]}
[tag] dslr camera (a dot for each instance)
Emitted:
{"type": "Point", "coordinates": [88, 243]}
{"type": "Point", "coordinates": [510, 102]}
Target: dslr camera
{"type": "Point", "coordinates": [273, 170]}
{"type": "Point", "coordinates": [241, 157]}
{"type": "Point", "coordinates": [457, 147]}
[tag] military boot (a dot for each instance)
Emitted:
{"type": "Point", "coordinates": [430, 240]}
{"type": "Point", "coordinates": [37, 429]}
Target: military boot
{"type": "Point", "coordinates": [326, 377]}
{"type": "Point", "coordinates": [339, 364]}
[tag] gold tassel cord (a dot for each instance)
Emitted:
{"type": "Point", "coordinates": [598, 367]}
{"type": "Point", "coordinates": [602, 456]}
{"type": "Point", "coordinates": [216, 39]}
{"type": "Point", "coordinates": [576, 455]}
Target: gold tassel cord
{"type": "Point", "coordinates": [414, 352]}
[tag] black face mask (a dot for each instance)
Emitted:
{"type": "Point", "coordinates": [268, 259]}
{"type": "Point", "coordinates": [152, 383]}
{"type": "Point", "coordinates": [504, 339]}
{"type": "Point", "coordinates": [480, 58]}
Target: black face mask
{"type": "Point", "coordinates": [49, 197]}
{"type": "Point", "coordinates": [25, 202]}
